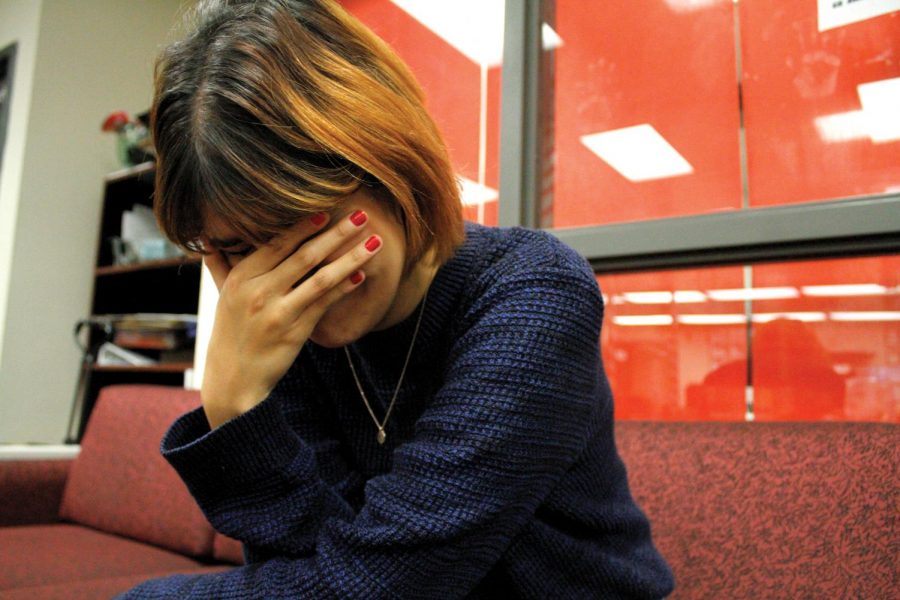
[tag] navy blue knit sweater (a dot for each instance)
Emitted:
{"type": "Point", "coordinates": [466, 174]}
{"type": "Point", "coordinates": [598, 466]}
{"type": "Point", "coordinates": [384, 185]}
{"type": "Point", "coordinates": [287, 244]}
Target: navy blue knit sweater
{"type": "Point", "coordinates": [499, 478]}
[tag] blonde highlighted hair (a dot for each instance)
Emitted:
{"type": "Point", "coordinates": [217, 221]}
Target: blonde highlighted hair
{"type": "Point", "coordinates": [272, 110]}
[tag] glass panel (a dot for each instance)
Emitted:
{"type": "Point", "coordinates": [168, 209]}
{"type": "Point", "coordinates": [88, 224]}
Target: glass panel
{"type": "Point", "coordinates": [825, 339]}
{"type": "Point", "coordinates": [829, 347]}
{"type": "Point", "coordinates": [646, 110]}
{"type": "Point", "coordinates": [671, 352]}
{"type": "Point", "coordinates": [454, 49]}
{"type": "Point", "coordinates": [821, 84]}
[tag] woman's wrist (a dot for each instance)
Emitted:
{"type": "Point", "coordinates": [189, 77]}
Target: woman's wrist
{"type": "Point", "coordinates": [222, 405]}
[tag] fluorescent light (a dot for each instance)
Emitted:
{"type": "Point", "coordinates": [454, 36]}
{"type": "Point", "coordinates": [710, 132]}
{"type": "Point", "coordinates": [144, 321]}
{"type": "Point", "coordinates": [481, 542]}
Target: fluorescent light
{"type": "Point", "coordinates": [879, 119]}
{"type": "Point", "coordinates": [689, 296]}
{"type": "Point", "coordinates": [638, 153]}
{"type": "Point", "coordinates": [721, 319]}
{"type": "Point", "coordinates": [473, 27]}
{"type": "Point", "coordinates": [648, 297]}
{"type": "Point", "coordinates": [681, 6]}
{"type": "Point", "coordinates": [842, 127]}
{"type": "Point", "coordinates": [835, 291]}
{"type": "Point", "coordinates": [870, 315]}
{"type": "Point", "coordinates": [550, 40]}
{"type": "Point", "coordinates": [679, 297]}
{"type": "Point", "coordinates": [766, 293]}
{"type": "Point", "coordinates": [474, 194]}
{"type": "Point", "coordinates": [637, 320]}
{"type": "Point", "coordinates": [806, 317]}
{"type": "Point", "coordinates": [881, 104]}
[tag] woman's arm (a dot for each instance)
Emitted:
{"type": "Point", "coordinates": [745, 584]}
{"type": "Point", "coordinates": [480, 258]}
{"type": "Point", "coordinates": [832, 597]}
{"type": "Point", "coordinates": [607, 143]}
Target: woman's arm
{"type": "Point", "coordinates": [512, 417]}
{"type": "Point", "coordinates": [233, 489]}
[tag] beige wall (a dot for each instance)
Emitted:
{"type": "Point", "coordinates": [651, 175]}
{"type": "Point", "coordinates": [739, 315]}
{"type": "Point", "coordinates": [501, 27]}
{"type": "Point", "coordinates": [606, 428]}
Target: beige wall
{"type": "Point", "coordinates": [82, 60]}
{"type": "Point", "coordinates": [18, 25]}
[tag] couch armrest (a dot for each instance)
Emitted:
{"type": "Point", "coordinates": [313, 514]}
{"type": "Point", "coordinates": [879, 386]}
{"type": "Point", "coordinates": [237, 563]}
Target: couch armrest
{"type": "Point", "coordinates": [31, 490]}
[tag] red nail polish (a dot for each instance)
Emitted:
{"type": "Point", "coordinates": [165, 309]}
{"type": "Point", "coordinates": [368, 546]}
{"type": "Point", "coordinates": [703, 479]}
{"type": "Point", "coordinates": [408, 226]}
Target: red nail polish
{"type": "Point", "coordinates": [318, 218]}
{"type": "Point", "coordinates": [356, 277]}
{"type": "Point", "coordinates": [373, 243]}
{"type": "Point", "coordinates": [358, 218]}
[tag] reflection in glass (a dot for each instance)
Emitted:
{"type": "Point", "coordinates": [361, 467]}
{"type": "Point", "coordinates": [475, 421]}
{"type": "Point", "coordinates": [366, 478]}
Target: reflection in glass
{"type": "Point", "coordinates": [823, 339]}
{"type": "Point", "coordinates": [821, 93]}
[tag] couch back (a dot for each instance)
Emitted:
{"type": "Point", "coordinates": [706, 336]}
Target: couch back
{"type": "Point", "coordinates": [121, 484]}
{"type": "Point", "coordinates": [770, 510]}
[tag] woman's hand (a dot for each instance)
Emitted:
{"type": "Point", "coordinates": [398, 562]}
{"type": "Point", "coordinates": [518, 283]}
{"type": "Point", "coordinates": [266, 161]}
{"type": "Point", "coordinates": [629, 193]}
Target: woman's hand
{"type": "Point", "coordinates": [264, 316]}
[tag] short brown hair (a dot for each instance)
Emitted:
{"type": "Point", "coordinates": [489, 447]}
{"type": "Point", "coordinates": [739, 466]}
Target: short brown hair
{"type": "Point", "coordinates": [272, 110]}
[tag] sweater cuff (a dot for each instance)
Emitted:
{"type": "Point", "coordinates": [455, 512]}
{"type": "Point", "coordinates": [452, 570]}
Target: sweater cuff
{"type": "Point", "coordinates": [252, 447]}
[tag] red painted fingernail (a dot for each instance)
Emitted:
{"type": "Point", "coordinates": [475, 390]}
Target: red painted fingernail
{"type": "Point", "coordinates": [318, 218]}
{"type": "Point", "coordinates": [373, 243]}
{"type": "Point", "coordinates": [356, 277]}
{"type": "Point", "coordinates": [358, 218]}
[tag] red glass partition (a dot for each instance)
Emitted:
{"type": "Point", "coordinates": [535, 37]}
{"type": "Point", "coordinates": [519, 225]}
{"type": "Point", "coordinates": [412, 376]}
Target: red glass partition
{"type": "Point", "coordinates": [823, 338]}
{"type": "Point", "coordinates": [454, 51]}
{"type": "Point", "coordinates": [646, 106]}
{"type": "Point", "coordinates": [821, 107]}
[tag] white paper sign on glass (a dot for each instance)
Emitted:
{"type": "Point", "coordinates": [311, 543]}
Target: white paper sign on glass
{"type": "Point", "coordinates": [837, 13]}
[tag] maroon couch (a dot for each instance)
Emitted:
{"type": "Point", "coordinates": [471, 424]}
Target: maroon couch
{"type": "Point", "coordinates": [113, 517]}
{"type": "Point", "coordinates": [771, 510]}
{"type": "Point", "coordinates": [740, 510]}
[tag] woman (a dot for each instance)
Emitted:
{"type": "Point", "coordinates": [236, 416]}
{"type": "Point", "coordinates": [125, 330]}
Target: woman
{"type": "Point", "coordinates": [395, 404]}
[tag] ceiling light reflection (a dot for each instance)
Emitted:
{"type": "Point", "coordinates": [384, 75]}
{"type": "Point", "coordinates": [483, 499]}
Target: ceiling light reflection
{"type": "Point", "coordinates": [473, 27]}
{"type": "Point", "coordinates": [806, 317]}
{"type": "Point", "coordinates": [721, 319]}
{"type": "Point", "coordinates": [638, 320]}
{"type": "Point", "coordinates": [861, 316]}
{"type": "Point", "coordinates": [762, 293]}
{"type": "Point", "coordinates": [681, 6]}
{"type": "Point", "coordinates": [837, 291]}
{"type": "Point", "coordinates": [648, 297]}
{"type": "Point", "coordinates": [879, 119]}
{"type": "Point", "coordinates": [638, 153]}
{"type": "Point", "coordinates": [881, 104]}
{"type": "Point", "coordinates": [474, 193]}
{"type": "Point", "coordinates": [663, 297]}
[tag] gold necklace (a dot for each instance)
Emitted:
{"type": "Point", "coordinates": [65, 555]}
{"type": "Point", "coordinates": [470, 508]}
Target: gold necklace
{"type": "Point", "coordinates": [382, 436]}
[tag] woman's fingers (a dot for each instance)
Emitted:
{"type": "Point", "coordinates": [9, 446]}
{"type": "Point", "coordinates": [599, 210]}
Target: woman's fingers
{"type": "Point", "coordinates": [309, 256]}
{"type": "Point", "coordinates": [268, 256]}
{"type": "Point", "coordinates": [218, 267]}
{"type": "Point", "coordinates": [329, 284]}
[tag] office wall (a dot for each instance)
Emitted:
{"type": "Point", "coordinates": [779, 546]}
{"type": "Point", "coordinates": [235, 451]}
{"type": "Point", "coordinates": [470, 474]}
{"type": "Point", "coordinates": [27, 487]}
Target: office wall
{"type": "Point", "coordinates": [78, 61]}
{"type": "Point", "coordinates": [18, 25]}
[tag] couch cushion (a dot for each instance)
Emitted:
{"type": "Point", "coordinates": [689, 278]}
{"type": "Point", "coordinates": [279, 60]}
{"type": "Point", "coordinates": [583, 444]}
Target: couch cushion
{"type": "Point", "coordinates": [766, 510]}
{"type": "Point", "coordinates": [94, 589]}
{"type": "Point", "coordinates": [31, 490]}
{"type": "Point", "coordinates": [121, 484]}
{"type": "Point", "coordinates": [37, 555]}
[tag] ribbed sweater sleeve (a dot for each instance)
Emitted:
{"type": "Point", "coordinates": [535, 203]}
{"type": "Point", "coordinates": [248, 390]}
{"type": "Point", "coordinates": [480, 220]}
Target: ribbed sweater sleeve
{"type": "Point", "coordinates": [511, 417]}
{"type": "Point", "coordinates": [265, 482]}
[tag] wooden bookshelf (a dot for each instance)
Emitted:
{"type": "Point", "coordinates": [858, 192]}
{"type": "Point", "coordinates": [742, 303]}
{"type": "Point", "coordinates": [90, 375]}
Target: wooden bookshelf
{"type": "Point", "coordinates": [165, 263]}
{"type": "Point", "coordinates": [169, 285]}
{"type": "Point", "coordinates": [178, 367]}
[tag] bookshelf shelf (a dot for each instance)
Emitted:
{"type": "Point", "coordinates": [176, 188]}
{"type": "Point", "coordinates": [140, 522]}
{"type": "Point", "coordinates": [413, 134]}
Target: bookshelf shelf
{"type": "Point", "coordinates": [179, 367]}
{"type": "Point", "coordinates": [147, 265]}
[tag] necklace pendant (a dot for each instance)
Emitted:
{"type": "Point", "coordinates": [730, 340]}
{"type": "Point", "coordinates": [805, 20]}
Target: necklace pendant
{"type": "Point", "coordinates": [381, 436]}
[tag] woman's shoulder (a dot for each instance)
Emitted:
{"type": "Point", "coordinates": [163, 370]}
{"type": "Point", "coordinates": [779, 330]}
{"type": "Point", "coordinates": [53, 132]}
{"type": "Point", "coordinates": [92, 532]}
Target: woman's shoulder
{"type": "Point", "coordinates": [510, 253]}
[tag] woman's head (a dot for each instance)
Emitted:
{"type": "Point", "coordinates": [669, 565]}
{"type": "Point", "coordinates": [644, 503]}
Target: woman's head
{"type": "Point", "coordinates": [272, 110]}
